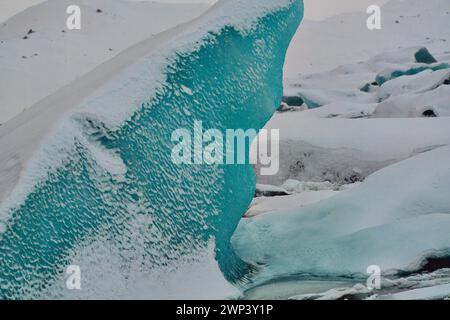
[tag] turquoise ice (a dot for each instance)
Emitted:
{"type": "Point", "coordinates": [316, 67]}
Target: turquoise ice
{"type": "Point", "coordinates": [117, 191]}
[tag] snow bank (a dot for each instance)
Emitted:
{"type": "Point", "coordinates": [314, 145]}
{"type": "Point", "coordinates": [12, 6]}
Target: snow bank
{"type": "Point", "coordinates": [52, 56]}
{"type": "Point", "coordinates": [347, 150]}
{"type": "Point", "coordinates": [265, 205]}
{"type": "Point", "coordinates": [433, 293]}
{"type": "Point", "coordinates": [263, 190]}
{"type": "Point", "coordinates": [319, 45]}
{"type": "Point", "coordinates": [432, 103]}
{"type": "Point", "coordinates": [95, 164]}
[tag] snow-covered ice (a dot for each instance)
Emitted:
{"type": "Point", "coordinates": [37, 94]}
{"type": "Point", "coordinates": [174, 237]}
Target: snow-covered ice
{"type": "Point", "coordinates": [344, 39]}
{"type": "Point", "coordinates": [377, 113]}
{"type": "Point", "coordinates": [36, 65]}
{"type": "Point", "coordinates": [151, 232]}
{"type": "Point", "coordinates": [377, 222]}
{"type": "Point", "coordinates": [364, 139]}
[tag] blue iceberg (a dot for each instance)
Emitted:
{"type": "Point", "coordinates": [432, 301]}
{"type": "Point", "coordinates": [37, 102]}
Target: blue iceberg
{"type": "Point", "coordinates": [103, 193]}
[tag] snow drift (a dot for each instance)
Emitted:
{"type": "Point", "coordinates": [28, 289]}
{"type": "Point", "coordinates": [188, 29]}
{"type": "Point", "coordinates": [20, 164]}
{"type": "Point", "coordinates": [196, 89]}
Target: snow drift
{"type": "Point", "coordinates": [63, 55]}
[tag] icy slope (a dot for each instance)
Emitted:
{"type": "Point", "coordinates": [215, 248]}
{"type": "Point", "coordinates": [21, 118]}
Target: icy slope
{"type": "Point", "coordinates": [378, 114]}
{"type": "Point", "coordinates": [426, 286]}
{"type": "Point", "coordinates": [322, 45]}
{"type": "Point", "coordinates": [36, 64]}
{"type": "Point", "coordinates": [348, 150]}
{"type": "Point", "coordinates": [101, 191]}
{"type": "Point", "coordinates": [379, 79]}
{"type": "Point", "coordinates": [357, 111]}
{"type": "Point", "coordinates": [398, 216]}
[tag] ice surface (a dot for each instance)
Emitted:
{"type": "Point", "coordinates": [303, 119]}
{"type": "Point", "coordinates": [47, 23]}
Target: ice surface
{"type": "Point", "coordinates": [422, 82]}
{"type": "Point", "coordinates": [276, 204]}
{"type": "Point", "coordinates": [423, 286]}
{"type": "Point", "coordinates": [269, 191]}
{"type": "Point", "coordinates": [416, 105]}
{"type": "Point", "coordinates": [346, 101]}
{"type": "Point", "coordinates": [342, 235]}
{"type": "Point", "coordinates": [320, 46]}
{"type": "Point", "coordinates": [432, 293]}
{"type": "Point", "coordinates": [100, 176]}
{"type": "Point", "coordinates": [349, 149]}
{"type": "Point", "coordinates": [363, 125]}
{"type": "Point", "coordinates": [63, 55]}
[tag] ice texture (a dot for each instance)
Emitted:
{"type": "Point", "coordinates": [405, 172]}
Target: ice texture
{"type": "Point", "coordinates": [394, 219]}
{"type": "Point", "coordinates": [103, 193]}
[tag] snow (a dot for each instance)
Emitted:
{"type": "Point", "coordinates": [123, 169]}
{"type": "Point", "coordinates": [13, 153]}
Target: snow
{"type": "Point", "coordinates": [378, 116]}
{"type": "Point", "coordinates": [111, 101]}
{"type": "Point", "coordinates": [265, 205]}
{"type": "Point", "coordinates": [432, 293]}
{"type": "Point", "coordinates": [289, 289]}
{"type": "Point", "coordinates": [398, 137]}
{"type": "Point", "coordinates": [357, 124]}
{"type": "Point", "coordinates": [348, 150]}
{"type": "Point", "coordinates": [388, 85]}
{"type": "Point", "coordinates": [414, 105]}
{"type": "Point", "coordinates": [367, 93]}
{"type": "Point", "coordinates": [344, 39]}
{"type": "Point", "coordinates": [425, 286]}
{"type": "Point", "coordinates": [292, 194]}
{"type": "Point", "coordinates": [335, 293]}
{"type": "Point", "coordinates": [355, 90]}
{"type": "Point", "coordinates": [62, 55]}
{"type": "Point", "coordinates": [205, 280]}
{"type": "Point", "coordinates": [349, 110]}
{"type": "Point", "coordinates": [302, 186]}
{"type": "Point", "coordinates": [438, 292]}
{"type": "Point", "coordinates": [341, 235]}
{"type": "Point", "coordinates": [414, 84]}
{"type": "Point", "coordinates": [49, 134]}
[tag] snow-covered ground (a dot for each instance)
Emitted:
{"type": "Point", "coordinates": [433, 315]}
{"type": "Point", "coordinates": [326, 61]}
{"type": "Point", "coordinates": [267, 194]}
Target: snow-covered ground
{"type": "Point", "coordinates": [344, 39]}
{"type": "Point", "coordinates": [375, 112]}
{"type": "Point", "coordinates": [38, 138]}
{"type": "Point", "coordinates": [427, 286]}
{"type": "Point", "coordinates": [39, 55]}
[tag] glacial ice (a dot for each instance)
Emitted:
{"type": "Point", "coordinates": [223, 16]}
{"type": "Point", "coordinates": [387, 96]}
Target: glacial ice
{"type": "Point", "coordinates": [101, 191]}
{"type": "Point", "coordinates": [263, 190]}
{"type": "Point", "coordinates": [416, 104]}
{"type": "Point", "coordinates": [338, 154]}
{"type": "Point", "coordinates": [425, 286]}
{"type": "Point", "coordinates": [424, 56]}
{"type": "Point", "coordinates": [378, 222]}
{"type": "Point", "coordinates": [372, 124]}
{"type": "Point", "coordinates": [393, 72]}
{"type": "Point", "coordinates": [422, 82]}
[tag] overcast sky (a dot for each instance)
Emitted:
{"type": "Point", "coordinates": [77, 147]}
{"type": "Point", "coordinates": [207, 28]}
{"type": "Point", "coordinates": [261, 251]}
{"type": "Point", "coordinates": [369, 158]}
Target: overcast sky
{"type": "Point", "coordinates": [314, 9]}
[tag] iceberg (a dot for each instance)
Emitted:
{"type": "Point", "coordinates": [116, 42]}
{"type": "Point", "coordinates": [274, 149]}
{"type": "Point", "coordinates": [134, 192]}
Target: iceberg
{"type": "Point", "coordinates": [91, 183]}
{"type": "Point", "coordinates": [409, 70]}
{"type": "Point", "coordinates": [379, 222]}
